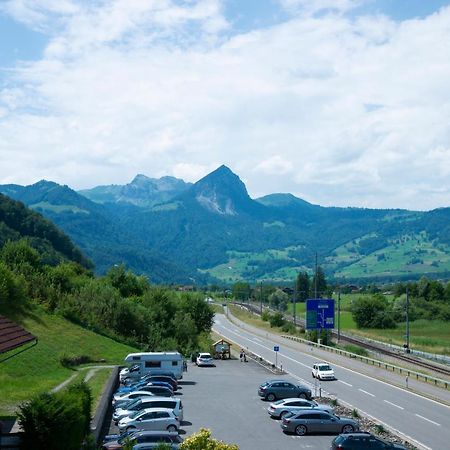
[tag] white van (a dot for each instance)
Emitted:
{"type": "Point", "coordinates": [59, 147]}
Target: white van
{"type": "Point", "coordinates": [152, 362]}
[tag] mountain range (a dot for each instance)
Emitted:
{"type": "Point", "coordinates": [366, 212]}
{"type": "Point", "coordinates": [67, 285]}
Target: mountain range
{"type": "Point", "coordinates": [213, 230]}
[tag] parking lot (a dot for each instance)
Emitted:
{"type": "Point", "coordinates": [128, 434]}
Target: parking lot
{"type": "Point", "coordinates": [225, 399]}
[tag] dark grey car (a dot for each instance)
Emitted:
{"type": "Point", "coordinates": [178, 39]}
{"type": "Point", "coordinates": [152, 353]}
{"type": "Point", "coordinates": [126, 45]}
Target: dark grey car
{"type": "Point", "coordinates": [363, 441]}
{"type": "Point", "coordinates": [277, 389]}
{"type": "Point", "coordinates": [304, 422]}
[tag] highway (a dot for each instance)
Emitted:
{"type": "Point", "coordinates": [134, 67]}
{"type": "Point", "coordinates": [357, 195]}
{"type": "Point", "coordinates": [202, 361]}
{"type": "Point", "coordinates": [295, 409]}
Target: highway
{"type": "Point", "coordinates": [424, 421]}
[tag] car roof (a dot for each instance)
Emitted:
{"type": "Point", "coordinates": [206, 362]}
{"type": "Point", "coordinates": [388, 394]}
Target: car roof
{"type": "Point", "coordinates": [156, 408]}
{"type": "Point", "coordinates": [159, 397]}
{"type": "Point", "coordinates": [155, 433]}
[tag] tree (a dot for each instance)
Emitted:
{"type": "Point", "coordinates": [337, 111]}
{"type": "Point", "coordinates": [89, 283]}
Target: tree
{"type": "Point", "coordinates": [372, 312]}
{"type": "Point", "coordinates": [321, 286]}
{"type": "Point", "coordinates": [279, 300]}
{"type": "Point", "coordinates": [302, 286]}
{"type": "Point", "coordinates": [241, 291]}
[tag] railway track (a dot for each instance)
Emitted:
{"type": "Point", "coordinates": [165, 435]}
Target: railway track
{"type": "Point", "coordinates": [372, 347]}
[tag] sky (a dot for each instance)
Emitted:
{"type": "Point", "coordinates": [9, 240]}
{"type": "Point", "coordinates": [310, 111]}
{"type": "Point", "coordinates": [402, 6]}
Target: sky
{"type": "Point", "coordinates": [339, 102]}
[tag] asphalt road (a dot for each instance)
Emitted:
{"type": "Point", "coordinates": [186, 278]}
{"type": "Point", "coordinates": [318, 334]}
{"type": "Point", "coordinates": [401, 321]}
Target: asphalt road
{"type": "Point", "coordinates": [422, 420]}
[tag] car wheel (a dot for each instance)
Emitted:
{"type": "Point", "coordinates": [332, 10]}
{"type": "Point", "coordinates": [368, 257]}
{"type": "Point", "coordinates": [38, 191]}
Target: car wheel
{"type": "Point", "coordinates": [347, 429]}
{"type": "Point", "coordinates": [302, 395]}
{"type": "Point", "coordinates": [312, 373]}
{"type": "Point", "coordinates": [301, 430]}
{"type": "Point", "coordinates": [171, 428]}
{"type": "Point", "coordinates": [131, 428]}
{"type": "Point", "coordinates": [270, 397]}
{"type": "Point", "coordinates": [283, 413]}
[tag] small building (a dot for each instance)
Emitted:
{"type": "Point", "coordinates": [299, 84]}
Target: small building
{"type": "Point", "coordinates": [222, 349]}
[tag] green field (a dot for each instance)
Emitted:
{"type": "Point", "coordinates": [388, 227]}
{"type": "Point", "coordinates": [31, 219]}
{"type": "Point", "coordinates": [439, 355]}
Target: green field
{"type": "Point", "coordinates": [38, 369]}
{"type": "Point", "coordinates": [425, 335]}
{"type": "Point", "coordinates": [407, 255]}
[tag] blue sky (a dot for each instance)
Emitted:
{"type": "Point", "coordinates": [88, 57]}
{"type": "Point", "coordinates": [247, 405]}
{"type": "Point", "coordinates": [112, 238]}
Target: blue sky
{"type": "Point", "coordinates": [340, 102]}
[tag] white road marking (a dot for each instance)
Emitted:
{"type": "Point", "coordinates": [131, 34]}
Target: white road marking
{"type": "Point", "coordinates": [344, 382]}
{"type": "Point", "coordinates": [393, 404]}
{"type": "Point", "coordinates": [365, 392]}
{"type": "Point", "coordinates": [428, 420]}
{"type": "Point", "coordinates": [256, 339]}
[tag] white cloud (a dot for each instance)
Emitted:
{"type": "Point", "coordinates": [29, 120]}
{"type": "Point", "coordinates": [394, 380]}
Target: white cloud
{"type": "Point", "coordinates": [343, 111]}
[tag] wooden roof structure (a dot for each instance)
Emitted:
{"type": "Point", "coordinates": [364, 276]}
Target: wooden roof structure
{"type": "Point", "coordinates": [13, 335]}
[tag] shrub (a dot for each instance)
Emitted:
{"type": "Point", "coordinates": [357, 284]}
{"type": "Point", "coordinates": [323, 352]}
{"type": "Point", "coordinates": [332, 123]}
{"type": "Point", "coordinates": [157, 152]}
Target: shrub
{"type": "Point", "coordinates": [276, 320]}
{"type": "Point", "coordinates": [72, 361]}
{"type": "Point", "coordinates": [53, 421]}
{"type": "Point", "coordinates": [355, 413]}
{"type": "Point", "coordinates": [265, 315]}
{"type": "Point", "coordinates": [356, 349]}
{"type": "Point", "coordinates": [202, 440]}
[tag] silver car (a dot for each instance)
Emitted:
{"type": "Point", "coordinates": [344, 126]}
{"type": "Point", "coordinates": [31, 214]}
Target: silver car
{"type": "Point", "coordinates": [285, 406]}
{"type": "Point", "coordinates": [152, 419]}
{"type": "Point", "coordinates": [303, 422]}
{"type": "Point", "coordinates": [121, 399]}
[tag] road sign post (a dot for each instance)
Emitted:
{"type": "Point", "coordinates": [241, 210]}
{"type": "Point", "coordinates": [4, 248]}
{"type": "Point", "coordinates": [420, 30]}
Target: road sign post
{"type": "Point", "coordinates": [276, 349]}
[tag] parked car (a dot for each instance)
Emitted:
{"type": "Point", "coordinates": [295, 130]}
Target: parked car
{"type": "Point", "coordinates": [277, 389]}
{"type": "Point", "coordinates": [121, 399]}
{"type": "Point", "coordinates": [363, 441]}
{"type": "Point", "coordinates": [303, 422]}
{"type": "Point", "coordinates": [285, 406]}
{"type": "Point", "coordinates": [153, 419]}
{"type": "Point", "coordinates": [205, 359]}
{"type": "Point", "coordinates": [144, 437]}
{"type": "Point", "coordinates": [140, 385]}
{"type": "Point", "coordinates": [165, 378]}
{"type": "Point", "coordinates": [139, 404]}
{"type": "Point", "coordinates": [323, 371]}
{"type": "Point", "coordinates": [165, 373]}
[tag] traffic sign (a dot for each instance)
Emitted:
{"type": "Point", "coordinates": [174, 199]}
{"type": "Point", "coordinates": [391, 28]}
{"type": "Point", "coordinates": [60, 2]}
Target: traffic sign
{"type": "Point", "coordinates": [276, 348]}
{"type": "Point", "coordinates": [319, 313]}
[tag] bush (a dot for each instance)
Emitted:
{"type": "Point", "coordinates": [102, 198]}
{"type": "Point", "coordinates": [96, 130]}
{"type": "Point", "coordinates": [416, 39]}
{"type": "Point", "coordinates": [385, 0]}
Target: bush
{"type": "Point", "coordinates": [276, 320]}
{"type": "Point", "coordinates": [289, 327]}
{"type": "Point", "coordinates": [72, 361]}
{"type": "Point", "coordinates": [202, 440]}
{"type": "Point", "coordinates": [53, 421]}
{"type": "Point", "coordinates": [356, 349]}
{"type": "Point", "coordinates": [265, 316]}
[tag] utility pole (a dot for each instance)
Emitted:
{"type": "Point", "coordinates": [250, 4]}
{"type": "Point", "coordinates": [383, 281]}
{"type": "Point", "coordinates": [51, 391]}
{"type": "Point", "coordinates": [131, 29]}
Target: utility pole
{"type": "Point", "coordinates": [315, 278]}
{"type": "Point", "coordinates": [407, 321]}
{"type": "Point", "coordinates": [294, 303]}
{"type": "Point", "coordinates": [260, 297]}
{"type": "Point", "coordinates": [339, 314]}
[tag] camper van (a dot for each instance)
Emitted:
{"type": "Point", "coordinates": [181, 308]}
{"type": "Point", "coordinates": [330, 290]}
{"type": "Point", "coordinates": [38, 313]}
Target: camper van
{"type": "Point", "coordinates": [154, 362]}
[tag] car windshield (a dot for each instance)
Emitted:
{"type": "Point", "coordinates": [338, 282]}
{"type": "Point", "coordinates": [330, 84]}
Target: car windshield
{"type": "Point", "coordinates": [289, 414]}
{"type": "Point", "coordinates": [205, 355]}
{"type": "Point", "coordinates": [279, 402]}
{"type": "Point", "coordinates": [135, 414]}
{"type": "Point", "coordinates": [132, 404]}
{"type": "Point", "coordinates": [324, 368]}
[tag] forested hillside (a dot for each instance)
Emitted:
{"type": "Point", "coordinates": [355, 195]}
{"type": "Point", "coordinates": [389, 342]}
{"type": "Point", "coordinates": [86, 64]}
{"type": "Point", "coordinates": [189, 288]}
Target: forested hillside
{"type": "Point", "coordinates": [213, 230]}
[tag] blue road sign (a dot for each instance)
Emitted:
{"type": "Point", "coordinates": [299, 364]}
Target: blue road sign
{"type": "Point", "coordinates": [319, 313]}
{"type": "Point", "coordinates": [276, 348]}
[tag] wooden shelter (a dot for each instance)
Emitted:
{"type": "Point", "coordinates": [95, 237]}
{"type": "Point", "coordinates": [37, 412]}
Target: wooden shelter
{"type": "Point", "coordinates": [13, 335]}
{"type": "Point", "coordinates": [222, 349]}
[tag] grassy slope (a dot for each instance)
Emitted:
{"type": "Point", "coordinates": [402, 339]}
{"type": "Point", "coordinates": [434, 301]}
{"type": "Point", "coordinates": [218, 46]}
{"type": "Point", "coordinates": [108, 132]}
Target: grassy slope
{"type": "Point", "coordinates": [38, 369]}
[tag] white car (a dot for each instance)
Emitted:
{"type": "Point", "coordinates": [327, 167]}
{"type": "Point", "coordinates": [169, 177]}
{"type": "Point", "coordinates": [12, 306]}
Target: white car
{"type": "Point", "coordinates": [121, 399]}
{"type": "Point", "coordinates": [152, 419]}
{"type": "Point", "coordinates": [285, 406]}
{"type": "Point", "coordinates": [205, 359]}
{"type": "Point", "coordinates": [323, 371]}
{"type": "Point", "coordinates": [132, 372]}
